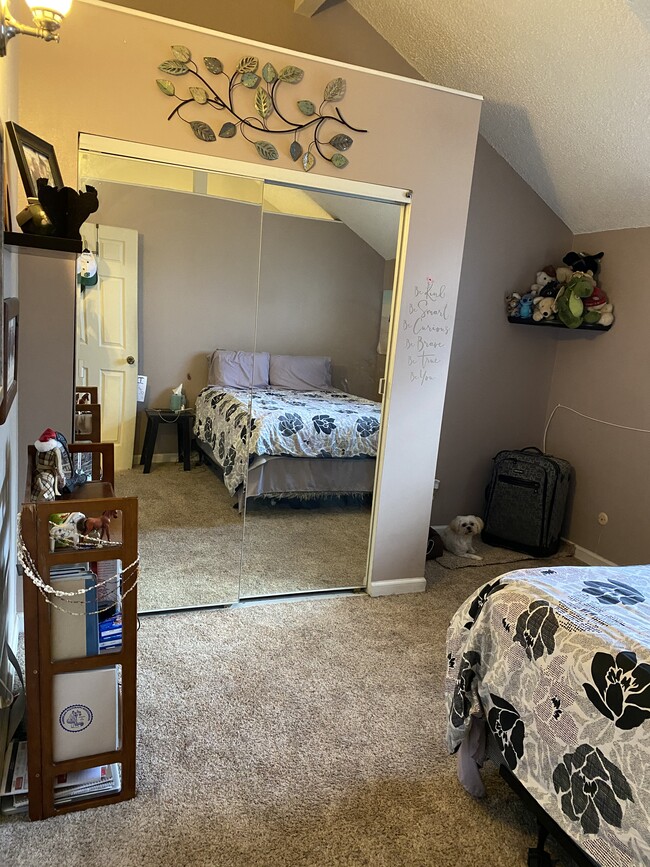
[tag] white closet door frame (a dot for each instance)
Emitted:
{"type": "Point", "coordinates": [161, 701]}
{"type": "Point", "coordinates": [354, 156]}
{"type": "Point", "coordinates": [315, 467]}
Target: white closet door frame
{"type": "Point", "coordinates": [186, 159]}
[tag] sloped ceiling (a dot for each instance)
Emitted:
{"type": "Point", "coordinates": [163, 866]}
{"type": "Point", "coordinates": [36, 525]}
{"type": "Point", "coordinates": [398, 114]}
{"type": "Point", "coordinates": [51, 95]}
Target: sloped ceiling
{"type": "Point", "coordinates": [566, 86]}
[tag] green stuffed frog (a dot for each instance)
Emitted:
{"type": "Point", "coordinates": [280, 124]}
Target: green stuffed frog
{"type": "Point", "coordinates": [570, 307]}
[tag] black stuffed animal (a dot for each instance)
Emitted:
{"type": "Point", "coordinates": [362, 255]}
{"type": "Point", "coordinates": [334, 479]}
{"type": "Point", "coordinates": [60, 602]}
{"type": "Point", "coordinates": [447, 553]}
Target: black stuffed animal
{"type": "Point", "coordinates": [66, 208]}
{"type": "Point", "coordinates": [583, 262]}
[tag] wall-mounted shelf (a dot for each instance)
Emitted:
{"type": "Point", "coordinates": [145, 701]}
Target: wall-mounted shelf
{"type": "Point", "coordinates": [555, 323]}
{"type": "Point", "coordinates": [46, 243]}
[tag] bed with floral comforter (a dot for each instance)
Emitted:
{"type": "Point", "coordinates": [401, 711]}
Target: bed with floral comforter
{"type": "Point", "coordinates": [238, 424]}
{"type": "Point", "coordinates": [556, 661]}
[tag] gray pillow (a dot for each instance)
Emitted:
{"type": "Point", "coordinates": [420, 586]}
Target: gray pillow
{"type": "Point", "coordinates": [238, 369]}
{"type": "Point", "coordinates": [301, 372]}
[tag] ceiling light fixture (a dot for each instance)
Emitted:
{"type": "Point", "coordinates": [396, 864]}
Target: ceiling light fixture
{"type": "Point", "coordinates": [47, 14]}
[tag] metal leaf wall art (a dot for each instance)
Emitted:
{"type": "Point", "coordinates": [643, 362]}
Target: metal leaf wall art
{"type": "Point", "coordinates": [270, 118]}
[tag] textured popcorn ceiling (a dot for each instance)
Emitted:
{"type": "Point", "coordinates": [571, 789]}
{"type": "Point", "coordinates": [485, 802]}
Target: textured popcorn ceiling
{"type": "Point", "coordinates": [566, 86]}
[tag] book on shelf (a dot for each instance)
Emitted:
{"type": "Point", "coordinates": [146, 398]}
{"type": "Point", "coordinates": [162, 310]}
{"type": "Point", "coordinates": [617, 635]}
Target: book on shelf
{"type": "Point", "coordinates": [85, 713]}
{"type": "Point", "coordinates": [73, 786]}
{"type": "Point", "coordinates": [74, 620]}
{"type": "Point", "coordinates": [110, 634]}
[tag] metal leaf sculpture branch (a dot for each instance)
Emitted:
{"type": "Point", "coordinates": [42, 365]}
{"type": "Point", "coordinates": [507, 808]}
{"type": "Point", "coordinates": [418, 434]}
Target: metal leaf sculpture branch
{"type": "Point", "coordinates": [266, 87]}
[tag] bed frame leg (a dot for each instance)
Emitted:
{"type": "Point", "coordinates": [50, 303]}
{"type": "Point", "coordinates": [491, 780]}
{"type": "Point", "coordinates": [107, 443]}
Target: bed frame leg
{"type": "Point", "coordinates": [538, 857]}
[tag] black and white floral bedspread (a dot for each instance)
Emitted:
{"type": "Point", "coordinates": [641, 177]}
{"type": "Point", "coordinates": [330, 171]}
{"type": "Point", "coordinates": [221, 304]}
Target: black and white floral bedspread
{"type": "Point", "coordinates": [558, 662]}
{"type": "Point", "coordinates": [314, 424]}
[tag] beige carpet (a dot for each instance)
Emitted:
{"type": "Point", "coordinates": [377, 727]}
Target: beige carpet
{"type": "Point", "coordinates": [493, 555]}
{"type": "Point", "coordinates": [190, 539]}
{"type": "Point", "coordinates": [294, 734]}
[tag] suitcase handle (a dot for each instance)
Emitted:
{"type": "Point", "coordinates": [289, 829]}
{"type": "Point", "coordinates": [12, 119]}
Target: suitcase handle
{"type": "Point", "coordinates": [532, 449]}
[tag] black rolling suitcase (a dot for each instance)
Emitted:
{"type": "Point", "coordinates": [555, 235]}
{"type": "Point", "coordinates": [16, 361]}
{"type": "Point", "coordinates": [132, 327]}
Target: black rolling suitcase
{"type": "Point", "coordinates": [526, 501]}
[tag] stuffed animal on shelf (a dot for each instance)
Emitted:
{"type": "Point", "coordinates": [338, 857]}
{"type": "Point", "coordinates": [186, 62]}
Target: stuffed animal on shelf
{"type": "Point", "coordinates": [545, 308]}
{"type": "Point", "coordinates": [584, 262]}
{"type": "Point", "coordinates": [552, 286]}
{"type": "Point", "coordinates": [525, 306]}
{"type": "Point", "coordinates": [542, 280]}
{"type": "Point", "coordinates": [598, 302]}
{"type": "Point", "coordinates": [512, 303]}
{"type": "Point", "coordinates": [48, 477]}
{"type": "Point", "coordinates": [570, 304]}
{"type": "Point", "coordinates": [563, 274]}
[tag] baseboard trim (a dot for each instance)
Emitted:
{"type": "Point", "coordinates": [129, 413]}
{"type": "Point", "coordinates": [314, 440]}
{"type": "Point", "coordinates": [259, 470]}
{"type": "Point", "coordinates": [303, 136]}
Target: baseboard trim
{"type": "Point", "coordinates": [397, 585]}
{"type": "Point", "coordinates": [164, 458]}
{"type": "Point", "coordinates": [589, 557]}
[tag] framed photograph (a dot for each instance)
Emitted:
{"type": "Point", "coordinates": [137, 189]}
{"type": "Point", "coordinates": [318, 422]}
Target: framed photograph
{"type": "Point", "coordinates": [35, 157]}
{"type": "Point", "coordinates": [9, 357]}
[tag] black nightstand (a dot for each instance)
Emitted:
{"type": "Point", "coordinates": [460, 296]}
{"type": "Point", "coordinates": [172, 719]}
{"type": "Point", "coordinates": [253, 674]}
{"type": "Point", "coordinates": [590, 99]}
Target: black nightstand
{"type": "Point", "coordinates": [184, 421]}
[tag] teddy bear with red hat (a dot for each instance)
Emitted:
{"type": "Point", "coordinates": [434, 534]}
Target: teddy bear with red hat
{"type": "Point", "coordinates": [598, 302]}
{"type": "Point", "coordinates": [48, 467]}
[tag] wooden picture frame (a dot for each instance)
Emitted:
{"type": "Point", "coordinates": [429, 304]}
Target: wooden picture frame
{"type": "Point", "coordinates": [35, 157]}
{"type": "Point", "coordinates": [9, 357]}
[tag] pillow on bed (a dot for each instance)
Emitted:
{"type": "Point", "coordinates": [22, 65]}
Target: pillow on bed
{"type": "Point", "coordinates": [301, 372]}
{"type": "Point", "coordinates": [238, 369]}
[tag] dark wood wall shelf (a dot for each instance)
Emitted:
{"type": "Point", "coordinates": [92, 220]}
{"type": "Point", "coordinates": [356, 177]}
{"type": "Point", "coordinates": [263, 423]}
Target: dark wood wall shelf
{"type": "Point", "coordinates": [555, 323]}
{"type": "Point", "coordinates": [24, 241]}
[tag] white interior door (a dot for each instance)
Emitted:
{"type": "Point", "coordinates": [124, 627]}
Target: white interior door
{"type": "Point", "coordinates": [107, 335]}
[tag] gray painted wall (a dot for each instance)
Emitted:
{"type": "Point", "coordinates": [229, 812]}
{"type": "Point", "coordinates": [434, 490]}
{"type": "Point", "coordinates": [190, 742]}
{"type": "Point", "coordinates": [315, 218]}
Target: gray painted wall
{"type": "Point", "coordinates": [500, 374]}
{"type": "Point", "coordinates": [606, 376]}
{"type": "Point", "coordinates": [320, 294]}
{"type": "Point", "coordinates": [320, 289]}
{"type": "Point", "coordinates": [47, 311]}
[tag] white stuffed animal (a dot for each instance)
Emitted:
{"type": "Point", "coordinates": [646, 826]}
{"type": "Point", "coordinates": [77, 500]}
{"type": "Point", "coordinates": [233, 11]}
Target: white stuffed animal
{"type": "Point", "coordinates": [545, 308]}
{"type": "Point", "coordinates": [606, 313]}
{"type": "Point", "coordinates": [541, 279]}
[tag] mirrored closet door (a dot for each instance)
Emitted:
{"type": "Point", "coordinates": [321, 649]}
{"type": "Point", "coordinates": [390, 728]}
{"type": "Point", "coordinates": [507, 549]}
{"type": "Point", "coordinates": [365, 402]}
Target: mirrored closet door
{"type": "Point", "coordinates": [178, 262]}
{"type": "Point", "coordinates": [268, 306]}
{"type": "Point", "coordinates": [325, 295]}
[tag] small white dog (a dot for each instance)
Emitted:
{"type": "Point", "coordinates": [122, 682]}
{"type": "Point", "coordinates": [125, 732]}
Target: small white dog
{"type": "Point", "coordinates": [459, 535]}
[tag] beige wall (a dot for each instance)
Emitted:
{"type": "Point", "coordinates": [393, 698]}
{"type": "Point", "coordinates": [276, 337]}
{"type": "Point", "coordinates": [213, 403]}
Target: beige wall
{"type": "Point", "coordinates": [126, 104]}
{"type": "Point", "coordinates": [606, 376]}
{"type": "Point", "coordinates": [500, 374]}
{"type": "Point", "coordinates": [320, 294]}
{"type": "Point", "coordinates": [320, 289]}
{"type": "Point", "coordinates": [337, 31]}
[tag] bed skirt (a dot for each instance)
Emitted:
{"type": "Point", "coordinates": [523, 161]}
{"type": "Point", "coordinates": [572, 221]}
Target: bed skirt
{"type": "Point", "coordinates": [276, 477]}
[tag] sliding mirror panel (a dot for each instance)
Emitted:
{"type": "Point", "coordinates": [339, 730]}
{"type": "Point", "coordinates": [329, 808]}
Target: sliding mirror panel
{"type": "Point", "coordinates": [175, 301]}
{"type": "Point", "coordinates": [327, 271]}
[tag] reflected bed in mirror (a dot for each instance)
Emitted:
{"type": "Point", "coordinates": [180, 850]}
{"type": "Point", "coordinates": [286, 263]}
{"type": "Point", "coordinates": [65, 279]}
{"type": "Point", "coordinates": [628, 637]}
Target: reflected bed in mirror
{"type": "Point", "coordinates": [271, 306]}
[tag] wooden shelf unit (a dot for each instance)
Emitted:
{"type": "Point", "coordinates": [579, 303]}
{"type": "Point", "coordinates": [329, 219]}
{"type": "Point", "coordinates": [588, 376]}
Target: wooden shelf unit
{"type": "Point", "coordinates": [94, 410]}
{"type": "Point", "coordinates": [41, 669]}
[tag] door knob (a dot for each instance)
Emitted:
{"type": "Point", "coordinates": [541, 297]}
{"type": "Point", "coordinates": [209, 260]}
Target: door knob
{"type": "Point", "coordinates": [130, 359]}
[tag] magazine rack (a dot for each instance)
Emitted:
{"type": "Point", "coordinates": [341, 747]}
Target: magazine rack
{"type": "Point", "coordinates": [93, 498]}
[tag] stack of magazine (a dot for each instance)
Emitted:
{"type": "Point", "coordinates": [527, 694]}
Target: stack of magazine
{"type": "Point", "coordinates": [77, 786]}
